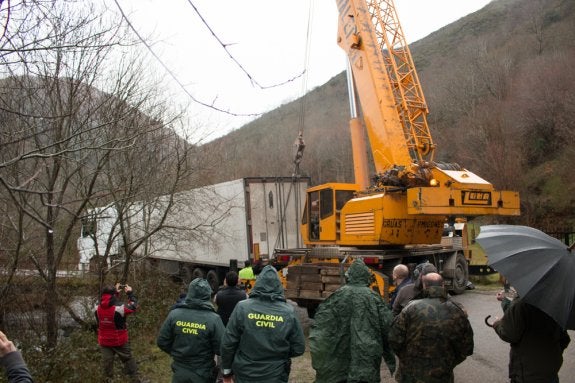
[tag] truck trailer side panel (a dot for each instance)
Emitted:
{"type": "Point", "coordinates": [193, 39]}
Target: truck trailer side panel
{"type": "Point", "coordinates": [205, 228]}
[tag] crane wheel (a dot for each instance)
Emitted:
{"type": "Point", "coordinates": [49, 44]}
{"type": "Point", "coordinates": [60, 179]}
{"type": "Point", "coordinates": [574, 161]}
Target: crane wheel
{"type": "Point", "coordinates": [460, 275]}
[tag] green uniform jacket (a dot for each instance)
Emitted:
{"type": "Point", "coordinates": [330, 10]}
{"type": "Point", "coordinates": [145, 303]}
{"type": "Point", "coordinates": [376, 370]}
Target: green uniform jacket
{"type": "Point", "coordinates": [430, 336]}
{"type": "Point", "coordinates": [263, 334]}
{"type": "Point", "coordinates": [191, 334]}
{"type": "Point", "coordinates": [349, 334]}
{"type": "Point", "coordinates": [537, 343]}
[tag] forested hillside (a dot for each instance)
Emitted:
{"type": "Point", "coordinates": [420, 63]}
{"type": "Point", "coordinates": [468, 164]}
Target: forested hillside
{"type": "Point", "coordinates": [501, 92]}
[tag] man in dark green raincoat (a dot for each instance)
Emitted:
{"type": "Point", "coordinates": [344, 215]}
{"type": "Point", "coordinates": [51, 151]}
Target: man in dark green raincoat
{"type": "Point", "coordinates": [349, 336]}
{"type": "Point", "coordinates": [191, 334]}
{"type": "Point", "coordinates": [262, 335]}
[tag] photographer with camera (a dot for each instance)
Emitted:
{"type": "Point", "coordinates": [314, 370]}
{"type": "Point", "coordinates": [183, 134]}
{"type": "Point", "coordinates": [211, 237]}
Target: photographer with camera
{"type": "Point", "coordinates": [111, 316]}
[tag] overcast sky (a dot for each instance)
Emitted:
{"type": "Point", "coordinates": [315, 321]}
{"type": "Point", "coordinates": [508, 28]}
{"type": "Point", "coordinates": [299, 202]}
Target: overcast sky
{"type": "Point", "coordinates": [269, 39]}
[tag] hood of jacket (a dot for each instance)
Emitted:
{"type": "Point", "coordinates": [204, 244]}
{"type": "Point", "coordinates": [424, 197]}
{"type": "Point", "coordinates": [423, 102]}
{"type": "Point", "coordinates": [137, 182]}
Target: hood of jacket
{"type": "Point", "coordinates": [268, 285]}
{"type": "Point", "coordinates": [199, 294]}
{"type": "Point", "coordinates": [358, 274]}
{"type": "Point", "coordinates": [108, 299]}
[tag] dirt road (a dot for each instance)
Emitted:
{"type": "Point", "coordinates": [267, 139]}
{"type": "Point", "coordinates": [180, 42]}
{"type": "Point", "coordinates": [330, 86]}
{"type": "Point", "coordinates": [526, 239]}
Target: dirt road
{"type": "Point", "coordinates": [489, 360]}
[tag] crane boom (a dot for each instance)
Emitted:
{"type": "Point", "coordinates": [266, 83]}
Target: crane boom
{"type": "Point", "coordinates": [387, 82]}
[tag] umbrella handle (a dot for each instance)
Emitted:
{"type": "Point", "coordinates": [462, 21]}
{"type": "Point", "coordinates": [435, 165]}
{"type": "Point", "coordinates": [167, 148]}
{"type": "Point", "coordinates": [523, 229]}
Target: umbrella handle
{"type": "Point", "coordinates": [487, 321]}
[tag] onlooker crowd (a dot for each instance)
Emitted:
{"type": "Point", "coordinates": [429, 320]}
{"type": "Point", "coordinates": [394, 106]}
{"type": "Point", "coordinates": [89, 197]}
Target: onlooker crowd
{"type": "Point", "coordinates": [233, 337]}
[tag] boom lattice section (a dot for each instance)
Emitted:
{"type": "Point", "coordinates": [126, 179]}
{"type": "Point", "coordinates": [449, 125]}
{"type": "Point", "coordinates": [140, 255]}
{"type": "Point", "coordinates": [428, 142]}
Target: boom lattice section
{"type": "Point", "coordinates": [409, 98]}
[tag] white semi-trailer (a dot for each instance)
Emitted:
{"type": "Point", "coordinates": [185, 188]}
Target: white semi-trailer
{"type": "Point", "coordinates": [207, 229]}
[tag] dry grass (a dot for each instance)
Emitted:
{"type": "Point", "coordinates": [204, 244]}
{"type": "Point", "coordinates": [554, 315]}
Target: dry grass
{"type": "Point", "coordinates": [301, 370]}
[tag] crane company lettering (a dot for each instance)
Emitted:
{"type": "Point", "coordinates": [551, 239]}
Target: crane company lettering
{"type": "Point", "coordinates": [476, 198]}
{"type": "Point", "coordinates": [430, 224]}
{"type": "Point", "coordinates": [394, 223]}
{"type": "Point", "coordinates": [265, 320]}
{"type": "Point", "coordinates": [190, 327]}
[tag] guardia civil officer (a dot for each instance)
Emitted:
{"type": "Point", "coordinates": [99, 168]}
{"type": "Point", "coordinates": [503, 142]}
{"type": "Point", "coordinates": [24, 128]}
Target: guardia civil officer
{"type": "Point", "coordinates": [191, 334]}
{"type": "Point", "coordinates": [262, 335]}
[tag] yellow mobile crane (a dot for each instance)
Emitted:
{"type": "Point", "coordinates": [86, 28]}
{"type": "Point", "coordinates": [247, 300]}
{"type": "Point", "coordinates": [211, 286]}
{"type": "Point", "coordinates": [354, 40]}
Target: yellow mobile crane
{"type": "Point", "coordinates": [399, 216]}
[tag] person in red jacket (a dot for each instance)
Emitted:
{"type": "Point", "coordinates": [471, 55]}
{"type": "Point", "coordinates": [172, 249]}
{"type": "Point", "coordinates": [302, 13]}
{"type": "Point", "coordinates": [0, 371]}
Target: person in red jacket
{"type": "Point", "coordinates": [111, 316]}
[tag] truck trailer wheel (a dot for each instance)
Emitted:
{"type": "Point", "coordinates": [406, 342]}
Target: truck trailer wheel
{"type": "Point", "coordinates": [213, 280]}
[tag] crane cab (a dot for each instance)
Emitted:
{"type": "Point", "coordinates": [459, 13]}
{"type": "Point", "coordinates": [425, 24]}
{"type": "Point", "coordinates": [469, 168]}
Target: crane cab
{"type": "Point", "coordinates": [343, 215]}
{"type": "Point", "coordinates": [321, 216]}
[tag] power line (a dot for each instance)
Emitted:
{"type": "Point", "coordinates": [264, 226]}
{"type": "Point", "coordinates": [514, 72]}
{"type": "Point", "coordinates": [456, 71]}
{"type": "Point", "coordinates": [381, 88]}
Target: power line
{"type": "Point", "coordinates": [225, 46]}
{"type": "Point", "coordinates": [167, 69]}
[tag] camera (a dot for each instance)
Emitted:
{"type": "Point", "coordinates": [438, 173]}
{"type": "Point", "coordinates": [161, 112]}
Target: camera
{"type": "Point", "coordinates": [121, 287]}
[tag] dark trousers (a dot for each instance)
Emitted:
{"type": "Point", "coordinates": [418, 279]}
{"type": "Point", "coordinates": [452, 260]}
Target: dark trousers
{"type": "Point", "coordinates": [125, 354]}
{"type": "Point", "coordinates": [184, 374]}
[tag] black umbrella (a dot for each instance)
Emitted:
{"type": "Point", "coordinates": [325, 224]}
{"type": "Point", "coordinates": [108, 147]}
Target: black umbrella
{"type": "Point", "coordinates": [541, 268]}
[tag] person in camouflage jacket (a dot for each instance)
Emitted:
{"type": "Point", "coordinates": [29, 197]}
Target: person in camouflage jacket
{"type": "Point", "coordinates": [430, 336]}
